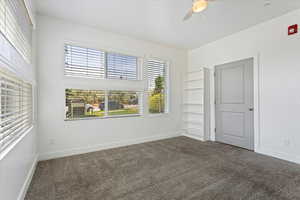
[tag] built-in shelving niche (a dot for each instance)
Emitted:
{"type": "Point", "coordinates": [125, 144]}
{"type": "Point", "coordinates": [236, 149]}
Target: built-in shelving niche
{"type": "Point", "coordinates": [196, 104]}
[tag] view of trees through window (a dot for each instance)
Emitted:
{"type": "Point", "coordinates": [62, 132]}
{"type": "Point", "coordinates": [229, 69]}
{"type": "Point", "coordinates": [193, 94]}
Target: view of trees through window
{"type": "Point", "coordinates": [91, 103]}
{"type": "Point", "coordinates": [157, 96]}
{"type": "Point", "coordinates": [157, 85]}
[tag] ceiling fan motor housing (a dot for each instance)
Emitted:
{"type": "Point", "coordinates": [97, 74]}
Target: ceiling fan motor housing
{"type": "Point", "coordinates": [199, 5]}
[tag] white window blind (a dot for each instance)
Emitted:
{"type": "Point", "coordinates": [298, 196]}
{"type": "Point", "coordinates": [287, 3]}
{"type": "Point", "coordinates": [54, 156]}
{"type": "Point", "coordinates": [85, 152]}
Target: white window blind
{"type": "Point", "coordinates": [16, 26]}
{"type": "Point", "coordinates": [155, 69]}
{"type": "Point", "coordinates": [157, 86]}
{"type": "Point", "coordinates": [121, 66]}
{"type": "Point", "coordinates": [16, 108]}
{"type": "Point", "coordinates": [84, 62]}
{"type": "Point", "coordinates": [90, 63]}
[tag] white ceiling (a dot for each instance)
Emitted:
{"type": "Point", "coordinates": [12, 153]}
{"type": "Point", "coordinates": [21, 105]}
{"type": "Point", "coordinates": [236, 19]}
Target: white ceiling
{"type": "Point", "coordinates": [161, 20]}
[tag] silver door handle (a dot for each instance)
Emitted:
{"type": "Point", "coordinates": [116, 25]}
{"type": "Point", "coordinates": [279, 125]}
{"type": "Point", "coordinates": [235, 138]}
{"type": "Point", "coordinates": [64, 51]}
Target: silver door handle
{"type": "Point", "coordinates": [251, 109]}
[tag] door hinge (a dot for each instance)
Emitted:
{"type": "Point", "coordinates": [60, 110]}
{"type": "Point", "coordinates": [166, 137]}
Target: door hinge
{"type": "Point", "coordinates": [215, 130]}
{"type": "Point", "coordinates": [215, 74]}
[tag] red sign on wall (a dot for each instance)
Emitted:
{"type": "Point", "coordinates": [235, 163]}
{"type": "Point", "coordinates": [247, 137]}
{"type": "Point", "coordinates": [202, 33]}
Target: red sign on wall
{"type": "Point", "coordinates": [293, 29]}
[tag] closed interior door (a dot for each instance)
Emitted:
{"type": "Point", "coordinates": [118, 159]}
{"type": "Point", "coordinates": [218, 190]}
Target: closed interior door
{"type": "Point", "coordinates": [234, 104]}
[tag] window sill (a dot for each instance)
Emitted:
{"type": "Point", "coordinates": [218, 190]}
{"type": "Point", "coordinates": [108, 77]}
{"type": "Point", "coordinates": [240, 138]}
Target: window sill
{"type": "Point", "coordinates": [106, 117]}
{"type": "Point", "coordinates": [14, 144]}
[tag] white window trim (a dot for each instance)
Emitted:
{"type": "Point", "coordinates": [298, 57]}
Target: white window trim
{"type": "Point", "coordinates": [23, 51]}
{"type": "Point", "coordinates": [7, 67]}
{"type": "Point", "coordinates": [30, 12]}
{"type": "Point", "coordinates": [15, 143]}
{"type": "Point", "coordinates": [10, 147]}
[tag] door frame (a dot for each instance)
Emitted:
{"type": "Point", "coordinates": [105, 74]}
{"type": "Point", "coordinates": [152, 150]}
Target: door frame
{"type": "Point", "coordinates": [256, 100]}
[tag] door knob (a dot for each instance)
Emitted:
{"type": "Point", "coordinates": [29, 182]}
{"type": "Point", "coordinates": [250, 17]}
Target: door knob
{"type": "Point", "coordinates": [251, 109]}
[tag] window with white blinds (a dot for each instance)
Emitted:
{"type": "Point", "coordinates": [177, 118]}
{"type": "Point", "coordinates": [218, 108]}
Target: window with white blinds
{"type": "Point", "coordinates": [91, 63]}
{"type": "Point", "coordinates": [16, 26]}
{"type": "Point", "coordinates": [84, 62]}
{"type": "Point", "coordinates": [121, 66]}
{"type": "Point", "coordinates": [157, 85]}
{"type": "Point", "coordinates": [16, 108]}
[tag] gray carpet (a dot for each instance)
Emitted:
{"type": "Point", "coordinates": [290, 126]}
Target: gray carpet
{"type": "Point", "coordinates": [173, 169]}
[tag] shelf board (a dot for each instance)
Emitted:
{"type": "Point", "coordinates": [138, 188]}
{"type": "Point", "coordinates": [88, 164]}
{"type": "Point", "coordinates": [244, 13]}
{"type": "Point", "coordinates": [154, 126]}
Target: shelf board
{"type": "Point", "coordinates": [193, 80]}
{"type": "Point", "coordinates": [193, 103]}
{"type": "Point", "coordinates": [195, 71]}
{"type": "Point", "coordinates": [194, 113]}
{"type": "Point", "coordinates": [196, 88]}
{"type": "Point", "coordinates": [192, 122]}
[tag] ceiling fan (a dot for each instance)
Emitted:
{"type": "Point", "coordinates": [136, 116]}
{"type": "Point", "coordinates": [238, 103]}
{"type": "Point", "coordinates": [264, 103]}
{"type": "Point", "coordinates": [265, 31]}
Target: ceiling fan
{"type": "Point", "coordinates": [197, 6]}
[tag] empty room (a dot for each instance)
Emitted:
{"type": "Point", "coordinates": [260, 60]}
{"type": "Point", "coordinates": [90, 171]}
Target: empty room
{"type": "Point", "coordinates": [149, 100]}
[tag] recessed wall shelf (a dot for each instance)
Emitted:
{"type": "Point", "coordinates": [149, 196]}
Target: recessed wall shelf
{"type": "Point", "coordinates": [193, 113]}
{"type": "Point", "coordinates": [193, 103]}
{"type": "Point", "coordinates": [196, 106]}
{"type": "Point", "coordinates": [195, 88]}
{"type": "Point", "coordinates": [193, 80]}
{"type": "Point", "coordinates": [195, 71]}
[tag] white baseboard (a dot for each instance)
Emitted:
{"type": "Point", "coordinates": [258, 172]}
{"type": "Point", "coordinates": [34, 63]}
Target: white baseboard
{"type": "Point", "coordinates": [279, 155]}
{"type": "Point", "coordinates": [193, 137]}
{"type": "Point", "coordinates": [28, 179]}
{"type": "Point", "coordinates": [76, 151]}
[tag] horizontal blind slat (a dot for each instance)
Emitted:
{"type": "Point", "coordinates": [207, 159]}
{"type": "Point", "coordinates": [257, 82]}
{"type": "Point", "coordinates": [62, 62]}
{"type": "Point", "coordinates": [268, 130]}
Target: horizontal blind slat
{"type": "Point", "coordinates": [84, 62]}
{"type": "Point", "coordinates": [16, 26]}
{"type": "Point", "coordinates": [15, 109]}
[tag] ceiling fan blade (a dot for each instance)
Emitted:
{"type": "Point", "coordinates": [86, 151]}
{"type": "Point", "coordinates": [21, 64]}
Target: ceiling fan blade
{"type": "Point", "coordinates": [188, 15]}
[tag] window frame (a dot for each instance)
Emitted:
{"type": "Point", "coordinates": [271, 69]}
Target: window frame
{"type": "Point", "coordinates": [13, 32]}
{"type": "Point", "coordinates": [167, 85]}
{"type": "Point", "coordinates": [139, 63]}
{"type": "Point", "coordinates": [30, 115]}
{"type": "Point", "coordinates": [106, 111]}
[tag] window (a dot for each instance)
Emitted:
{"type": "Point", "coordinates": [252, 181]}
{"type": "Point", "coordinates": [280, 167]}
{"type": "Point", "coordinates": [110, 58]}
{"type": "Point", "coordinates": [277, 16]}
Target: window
{"type": "Point", "coordinates": [98, 103]}
{"type": "Point", "coordinates": [157, 87]}
{"type": "Point", "coordinates": [84, 103]}
{"type": "Point", "coordinates": [16, 26]}
{"type": "Point", "coordinates": [84, 62]}
{"type": "Point", "coordinates": [121, 67]}
{"type": "Point", "coordinates": [16, 108]}
{"type": "Point", "coordinates": [123, 103]}
{"type": "Point", "coordinates": [90, 63]}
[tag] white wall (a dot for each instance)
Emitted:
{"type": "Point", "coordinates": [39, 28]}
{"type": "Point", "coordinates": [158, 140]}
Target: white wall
{"type": "Point", "coordinates": [17, 167]}
{"type": "Point", "coordinates": [58, 137]}
{"type": "Point", "coordinates": [18, 164]}
{"type": "Point", "coordinates": [277, 72]}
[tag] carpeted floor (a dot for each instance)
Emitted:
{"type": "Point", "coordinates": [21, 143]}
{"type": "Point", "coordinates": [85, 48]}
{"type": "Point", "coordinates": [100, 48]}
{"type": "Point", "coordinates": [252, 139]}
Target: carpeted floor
{"type": "Point", "coordinates": [173, 169]}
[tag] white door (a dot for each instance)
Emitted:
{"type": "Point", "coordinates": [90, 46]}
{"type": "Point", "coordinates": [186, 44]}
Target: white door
{"type": "Point", "coordinates": [234, 104]}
